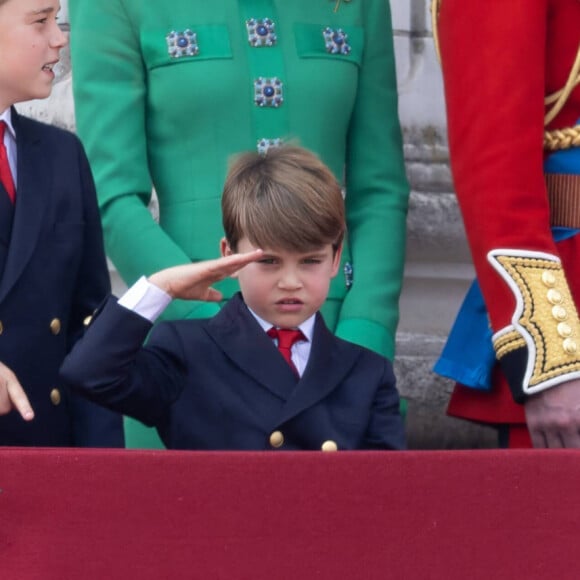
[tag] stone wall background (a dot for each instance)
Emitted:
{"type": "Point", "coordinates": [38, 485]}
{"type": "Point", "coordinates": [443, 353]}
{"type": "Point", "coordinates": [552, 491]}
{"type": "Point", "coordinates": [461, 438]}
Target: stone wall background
{"type": "Point", "coordinates": [438, 269]}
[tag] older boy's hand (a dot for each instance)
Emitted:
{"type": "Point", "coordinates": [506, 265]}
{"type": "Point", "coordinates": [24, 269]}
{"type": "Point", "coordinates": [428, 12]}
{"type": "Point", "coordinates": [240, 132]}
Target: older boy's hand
{"type": "Point", "coordinates": [193, 281]}
{"type": "Point", "coordinates": [12, 395]}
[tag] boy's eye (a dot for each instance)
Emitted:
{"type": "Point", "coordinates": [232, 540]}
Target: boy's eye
{"type": "Point", "coordinates": [311, 261]}
{"type": "Point", "coordinates": [267, 261]}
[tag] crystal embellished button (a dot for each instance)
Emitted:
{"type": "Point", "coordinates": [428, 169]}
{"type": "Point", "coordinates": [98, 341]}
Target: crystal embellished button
{"type": "Point", "coordinates": [336, 41]}
{"type": "Point", "coordinates": [264, 145]}
{"type": "Point", "coordinates": [268, 92]}
{"type": "Point", "coordinates": [183, 43]}
{"type": "Point", "coordinates": [261, 32]}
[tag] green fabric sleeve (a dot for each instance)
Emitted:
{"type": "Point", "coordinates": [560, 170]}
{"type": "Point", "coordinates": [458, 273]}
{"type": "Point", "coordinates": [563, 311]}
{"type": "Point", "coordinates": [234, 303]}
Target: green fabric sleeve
{"type": "Point", "coordinates": [111, 121]}
{"type": "Point", "coordinates": [377, 194]}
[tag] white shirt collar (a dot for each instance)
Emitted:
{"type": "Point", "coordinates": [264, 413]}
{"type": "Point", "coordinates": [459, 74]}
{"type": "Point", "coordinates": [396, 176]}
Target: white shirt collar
{"type": "Point", "coordinates": [307, 327]}
{"type": "Point", "coordinates": [6, 116]}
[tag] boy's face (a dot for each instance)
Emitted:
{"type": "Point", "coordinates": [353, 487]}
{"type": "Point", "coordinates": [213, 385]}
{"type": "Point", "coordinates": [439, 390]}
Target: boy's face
{"type": "Point", "coordinates": [30, 43]}
{"type": "Point", "coordinates": [283, 287]}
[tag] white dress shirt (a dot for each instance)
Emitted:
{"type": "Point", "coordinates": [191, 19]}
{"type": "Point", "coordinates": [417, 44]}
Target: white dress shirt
{"type": "Point", "coordinates": [10, 142]}
{"type": "Point", "coordinates": [149, 301]}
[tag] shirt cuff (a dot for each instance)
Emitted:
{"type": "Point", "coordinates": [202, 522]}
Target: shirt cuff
{"type": "Point", "coordinates": [145, 299]}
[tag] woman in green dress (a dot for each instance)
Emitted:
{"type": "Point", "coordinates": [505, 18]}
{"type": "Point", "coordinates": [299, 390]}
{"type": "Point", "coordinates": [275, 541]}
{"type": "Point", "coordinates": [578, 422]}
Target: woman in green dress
{"type": "Point", "coordinates": [166, 92]}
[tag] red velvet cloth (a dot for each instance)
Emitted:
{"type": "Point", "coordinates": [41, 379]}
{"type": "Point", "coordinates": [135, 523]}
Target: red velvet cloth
{"type": "Point", "coordinates": [96, 514]}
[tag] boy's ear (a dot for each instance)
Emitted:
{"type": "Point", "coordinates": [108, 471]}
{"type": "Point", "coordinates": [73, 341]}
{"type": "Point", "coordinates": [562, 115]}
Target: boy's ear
{"type": "Point", "coordinates": [336, 260]}
{"type": "Point", "coordinates": [225, 249]}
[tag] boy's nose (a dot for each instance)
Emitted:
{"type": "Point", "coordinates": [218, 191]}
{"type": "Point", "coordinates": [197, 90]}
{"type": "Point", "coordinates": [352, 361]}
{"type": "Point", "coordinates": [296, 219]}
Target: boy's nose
{"type": "Point", "coordinates": [59, 38]}
{"type": "Point", "coordinates": [289, 279]}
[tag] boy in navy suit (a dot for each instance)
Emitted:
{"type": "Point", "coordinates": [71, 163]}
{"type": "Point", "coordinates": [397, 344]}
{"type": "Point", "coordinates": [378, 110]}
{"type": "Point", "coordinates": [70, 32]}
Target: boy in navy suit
{"type": "Point", "coordinates": [53, 272]}
{"type": "Point", "coordinates": [264, 373]}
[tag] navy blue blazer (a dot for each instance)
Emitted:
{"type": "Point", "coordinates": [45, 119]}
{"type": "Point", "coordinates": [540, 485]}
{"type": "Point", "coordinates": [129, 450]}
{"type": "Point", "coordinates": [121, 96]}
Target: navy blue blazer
{"type": "Point", "coordinates": [53, 274]}
{"type": "Point", "coordinates": [220, 383]}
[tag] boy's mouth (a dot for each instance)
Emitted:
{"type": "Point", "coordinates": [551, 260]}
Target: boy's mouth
{"type": "Point", "coordinates": [49, 66]}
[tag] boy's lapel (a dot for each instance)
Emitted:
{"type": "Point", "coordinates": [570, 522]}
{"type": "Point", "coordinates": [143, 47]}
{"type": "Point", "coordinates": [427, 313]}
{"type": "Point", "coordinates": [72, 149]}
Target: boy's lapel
{"type": "Point", "coordinates": [237, 333]}
{"type": "Point", "coordinates": [32, 191]}
{"type": "Point", "coordinates": [327, 366]}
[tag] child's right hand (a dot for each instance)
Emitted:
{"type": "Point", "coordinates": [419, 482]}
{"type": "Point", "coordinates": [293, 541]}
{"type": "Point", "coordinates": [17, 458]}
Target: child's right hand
{"type": "Point", "coordinates": [12, 395]}
{"type": "Point", "coordinates": [193, 281]}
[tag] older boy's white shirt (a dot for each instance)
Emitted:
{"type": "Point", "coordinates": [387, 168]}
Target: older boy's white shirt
{"type": "Point", "coordinates": [149, 301]}
{"type": "Point", "coordinates": [10, 142]}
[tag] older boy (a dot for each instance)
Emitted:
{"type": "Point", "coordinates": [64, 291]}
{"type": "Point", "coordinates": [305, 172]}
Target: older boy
{"type": "Point", "coordinates": [53, 272]}
{"type": "Point", "coordinates": [236, 381]}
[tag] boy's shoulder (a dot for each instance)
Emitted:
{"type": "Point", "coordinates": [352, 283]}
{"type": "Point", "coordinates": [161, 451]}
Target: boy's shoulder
{"type": "Point", "coordinates": [40, 129]}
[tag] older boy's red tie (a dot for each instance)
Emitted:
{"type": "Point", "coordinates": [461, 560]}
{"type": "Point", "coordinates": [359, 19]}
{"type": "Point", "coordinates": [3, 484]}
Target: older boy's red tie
{"type": "Point", "coordinates": [286, 338]}
{"type": "Point", "coordinates": [5, 172]}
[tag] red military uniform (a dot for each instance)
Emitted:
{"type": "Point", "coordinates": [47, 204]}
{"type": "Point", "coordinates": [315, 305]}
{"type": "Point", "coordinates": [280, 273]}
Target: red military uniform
{"type": "Point", "coordinates": [500, 60]}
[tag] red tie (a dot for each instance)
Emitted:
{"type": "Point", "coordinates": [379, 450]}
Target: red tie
{"type": "Point", "coordinates": [5, 172]}
{"type": "Point", "coordinates": [286, 338]}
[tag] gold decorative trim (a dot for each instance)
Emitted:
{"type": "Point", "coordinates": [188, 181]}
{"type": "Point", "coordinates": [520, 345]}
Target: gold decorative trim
{"type": "Point", "coordinates": [561, 139]}
{"type": "Point", "coordinates": [507, 342]}
{"type": "Point", "coordinates": [543, 303]}
{"type": "Point", "coordinates": [559, 98]}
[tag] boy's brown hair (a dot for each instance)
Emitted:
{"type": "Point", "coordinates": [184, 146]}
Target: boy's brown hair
{"type": "Point", "coordinates": [286, 199]}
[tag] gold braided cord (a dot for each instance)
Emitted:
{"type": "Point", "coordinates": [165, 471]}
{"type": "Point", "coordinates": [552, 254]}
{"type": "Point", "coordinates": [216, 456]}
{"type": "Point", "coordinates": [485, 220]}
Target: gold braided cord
{"type": "Point", "coordinates": [560, 97]}
{"type": "Point", "coordinates": [435, 7]}
{"type": "Point", "coordinates": [562, 138]}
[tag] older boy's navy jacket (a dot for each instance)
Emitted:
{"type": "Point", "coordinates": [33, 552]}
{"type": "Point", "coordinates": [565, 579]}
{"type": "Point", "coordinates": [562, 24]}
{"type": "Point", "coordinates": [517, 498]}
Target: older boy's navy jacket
{"type": "Point", "coordinates": [53, 274]}
{"type": "Point", "coordinates": [221, 383]}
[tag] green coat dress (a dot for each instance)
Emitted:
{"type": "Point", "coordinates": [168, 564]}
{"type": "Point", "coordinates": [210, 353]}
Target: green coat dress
{"type": "Point", "coordinates": [166, 92]}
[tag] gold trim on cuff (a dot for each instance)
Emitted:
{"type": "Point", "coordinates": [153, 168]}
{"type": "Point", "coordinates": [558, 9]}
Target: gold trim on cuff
{"type": "Point", "coordinates": [545, 318]}
{"type": "Point", "coordinates": [508, 342]}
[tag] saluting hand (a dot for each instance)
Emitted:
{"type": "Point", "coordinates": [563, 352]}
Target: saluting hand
{"type": "Point", "coordinates": [12, 395]}
{"type": "Point", "coordinates": [193, 281]}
